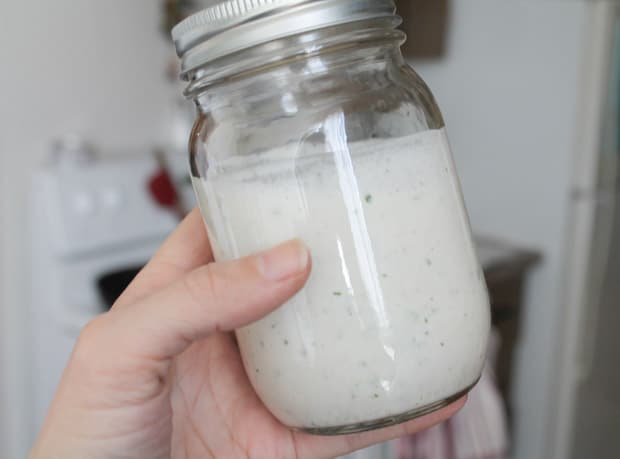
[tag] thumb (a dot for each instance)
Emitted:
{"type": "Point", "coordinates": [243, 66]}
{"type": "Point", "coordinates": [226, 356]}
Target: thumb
{"type": "Point", "coordinates": [214, 297]}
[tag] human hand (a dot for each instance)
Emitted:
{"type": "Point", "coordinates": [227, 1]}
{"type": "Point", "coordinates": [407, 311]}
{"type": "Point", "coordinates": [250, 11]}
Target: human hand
{"type": "Point", "coordinates": [160, 375]}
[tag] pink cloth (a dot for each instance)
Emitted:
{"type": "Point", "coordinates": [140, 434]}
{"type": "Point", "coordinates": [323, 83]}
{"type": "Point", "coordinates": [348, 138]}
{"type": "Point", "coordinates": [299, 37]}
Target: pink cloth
{"type": "Point", "coordinates": [477, 432]}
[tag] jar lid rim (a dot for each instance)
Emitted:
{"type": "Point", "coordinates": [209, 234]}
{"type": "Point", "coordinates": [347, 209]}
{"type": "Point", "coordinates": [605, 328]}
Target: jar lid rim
{"type": "Point", "coordinates": [228, 26]}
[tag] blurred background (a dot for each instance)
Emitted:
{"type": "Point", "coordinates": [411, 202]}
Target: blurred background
{"type": "Point", "coordinates": [93, 175]}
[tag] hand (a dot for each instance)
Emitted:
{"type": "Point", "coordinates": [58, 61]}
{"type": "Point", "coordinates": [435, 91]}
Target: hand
{"type": "Point", "coordinates": [160, 376]}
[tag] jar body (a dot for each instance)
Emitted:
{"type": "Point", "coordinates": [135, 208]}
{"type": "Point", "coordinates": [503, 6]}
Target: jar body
{"type": "Point", "coordinates": [353, 159]}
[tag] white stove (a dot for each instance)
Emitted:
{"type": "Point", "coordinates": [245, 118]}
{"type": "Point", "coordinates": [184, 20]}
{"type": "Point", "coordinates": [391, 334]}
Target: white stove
{"type": "Point", "coordinates": [90, 218]}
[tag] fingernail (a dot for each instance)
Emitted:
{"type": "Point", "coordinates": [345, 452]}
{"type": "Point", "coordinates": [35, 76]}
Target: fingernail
{"type": "Point", "coordinates": [284, 261]}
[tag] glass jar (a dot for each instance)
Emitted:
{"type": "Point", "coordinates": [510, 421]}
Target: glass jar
{"type": "Point", "coordinates": [311, 125]}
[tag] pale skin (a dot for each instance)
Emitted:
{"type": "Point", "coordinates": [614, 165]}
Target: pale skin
{"type": "Point", "coordinates": [160, 375]}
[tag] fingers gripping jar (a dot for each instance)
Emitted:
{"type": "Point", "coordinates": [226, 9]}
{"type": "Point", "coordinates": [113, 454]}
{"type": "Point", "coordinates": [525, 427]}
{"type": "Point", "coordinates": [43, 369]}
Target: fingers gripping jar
{"type": "Point", "coordinates": [311, 125]}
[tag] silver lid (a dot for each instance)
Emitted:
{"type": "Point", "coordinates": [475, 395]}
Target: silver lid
{"type": "Point", "coordinates": [227, 26]}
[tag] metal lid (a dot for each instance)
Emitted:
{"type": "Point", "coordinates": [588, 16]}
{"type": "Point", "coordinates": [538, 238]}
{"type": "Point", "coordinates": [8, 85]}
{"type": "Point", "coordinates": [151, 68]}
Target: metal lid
{"type": "Point", "coordinates": [227, 26]}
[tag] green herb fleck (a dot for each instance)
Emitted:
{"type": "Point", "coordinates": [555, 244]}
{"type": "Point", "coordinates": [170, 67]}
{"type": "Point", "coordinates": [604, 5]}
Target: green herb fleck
{"type": "Point", "coordinates": [286, 342]}
{"type": "Point", "coordinates": [429, 262]}
{"type": "Point", "coordinates": [442, 344]}
{"type": "Point", "coordinates": [375, 395]}
{"type": "Point", "coordinates": [337, 293]}
{"type": "Point", "coordinates": [368, 198]}
{"type": "Point", "coordinates": [384, 275]}
{"type": "Point", "coordinates": [426, 320]}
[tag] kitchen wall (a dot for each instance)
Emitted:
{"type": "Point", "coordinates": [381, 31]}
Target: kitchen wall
{"type": "Point", "coordinates": [85, 66]}
{"type": "Point", "coordinates": [509, 88]}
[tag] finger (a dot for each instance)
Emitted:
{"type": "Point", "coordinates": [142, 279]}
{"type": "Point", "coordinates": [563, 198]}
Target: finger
{"type": "Point", "coordinates": [311, 447]}
{"type": "Point", "coordinates": [215, 297]}
{"type": "Point", "coordinates": [185, 250]}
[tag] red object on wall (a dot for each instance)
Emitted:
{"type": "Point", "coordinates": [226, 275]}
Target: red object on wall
{"type": "Point", "coordinates": [162, 189]}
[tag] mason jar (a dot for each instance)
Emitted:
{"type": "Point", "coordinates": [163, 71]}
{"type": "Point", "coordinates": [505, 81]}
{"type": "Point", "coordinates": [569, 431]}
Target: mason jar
{"type": "Point", "coordinates": [311, 125]}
